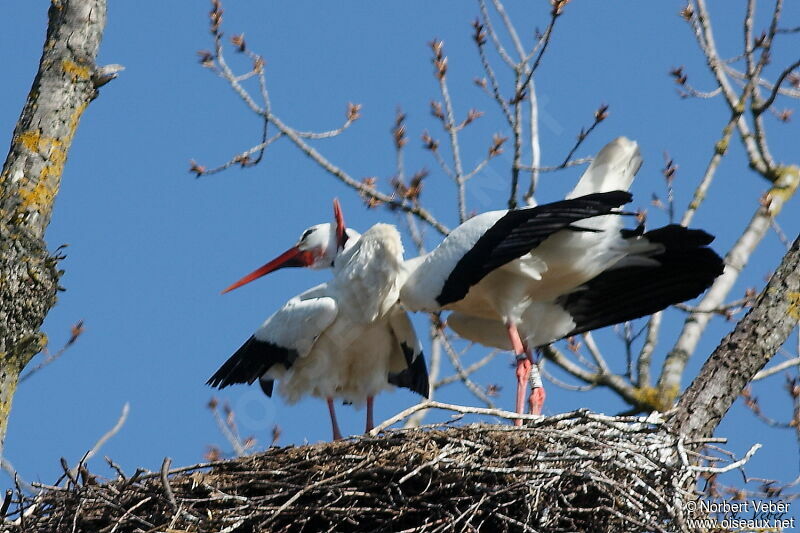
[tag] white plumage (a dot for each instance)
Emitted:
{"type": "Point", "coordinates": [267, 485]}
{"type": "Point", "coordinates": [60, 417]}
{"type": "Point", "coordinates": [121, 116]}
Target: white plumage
{"type": "Point", "coordinates": [345, 339]}
{"type": "Point", "coordinates": [561, 263]}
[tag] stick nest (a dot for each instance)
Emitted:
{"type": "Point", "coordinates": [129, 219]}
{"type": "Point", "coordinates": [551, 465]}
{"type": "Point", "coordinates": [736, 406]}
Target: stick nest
{"type": "Point", "coordinates": [574, 472]}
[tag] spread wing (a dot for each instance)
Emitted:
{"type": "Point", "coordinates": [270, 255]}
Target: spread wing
{"type": "Point", "coordinates": [518, 232]}
{"type": "Point", "coordinates": [288, 334]}
{"type": "Point", "coordinates": [680, 271]}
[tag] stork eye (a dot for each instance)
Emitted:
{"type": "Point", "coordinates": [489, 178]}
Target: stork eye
{"type": "Point", "coordinates": [306, 233]}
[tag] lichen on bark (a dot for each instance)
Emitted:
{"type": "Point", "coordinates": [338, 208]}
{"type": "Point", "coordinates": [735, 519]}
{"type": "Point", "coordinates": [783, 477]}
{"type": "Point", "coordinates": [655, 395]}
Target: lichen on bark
{"type": "Point", "coordinates": [30, 180]}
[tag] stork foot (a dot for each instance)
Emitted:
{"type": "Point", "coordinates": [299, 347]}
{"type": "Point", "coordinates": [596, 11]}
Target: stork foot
{"type": "Point", "coordinates": [536, 400]}
{"type": "Point", "coordinates": [537, 397]}
{"type": "Point", "coordinates": [523, 371]}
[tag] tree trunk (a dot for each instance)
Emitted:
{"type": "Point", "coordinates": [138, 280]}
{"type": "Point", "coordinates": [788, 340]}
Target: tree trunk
{"type": "Point", "coordinates": [65, 83]}
{"type": "Point", "coordinates": [745, 351]}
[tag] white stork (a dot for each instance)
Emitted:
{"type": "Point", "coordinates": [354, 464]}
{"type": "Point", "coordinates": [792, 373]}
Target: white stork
{"type": "Point", "coordinates": [546, 270]}
{"type": "Point", "coordinates": [347, 338]}
{"type": "Point", "coordinates": [659, 268]}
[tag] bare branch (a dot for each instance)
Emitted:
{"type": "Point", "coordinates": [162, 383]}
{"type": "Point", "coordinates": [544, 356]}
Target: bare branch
{"type": "Point", "coordinates": [572, 163]}
{"type": "Point", "coordinates": [104, 438]}
{"type": "Point", "coordinates": [646, 354]}
{"type": "Point", "coordinates": [776, 88]}
{"type": "Point", "coordinates": [433, 374]}
{"type": "Point", "coordinates": [75, 332]}
{"type": "Point", "coordinates": [720, 149]}
{"type": "Point", "coordinates": [402, 415]}
{"type": "Point", "coordinates": [462, 374]}
{"type": "Point", "coordinates": [543, 42]}
{"type": "Point", "coordinates": [536, 153]}
{"type": "Point", "coordinates": [297, 137]}
{"type": "Point", "coordinates": [471, 369]}
{"type": "Point", "coordinates": [345, 178]}
{"type": "Point", "coordinates": [498, 5]}
{"type": "Point", "coordinates": [743, 352]}
{"type": "Point", "coordinates": [594, 350]}
{"type": "Point", "coordinates": [599, 116]}
{"type": "Point", "coordinates": [767, 372]}
{"type": "Point", "coordinates": [242, 159]}
{"type": "Point", "coordinates": [449, 123]}
{"type": "Point", "coordinates": [495, 38]}
{"type": "Point", "coordinates": [701, 24]}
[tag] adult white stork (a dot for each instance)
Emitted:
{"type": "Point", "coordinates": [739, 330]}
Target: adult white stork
{"type": "Point", "coordinates": [493, 266]}
{"type": "Point", "coordinates": [516, 280]}
{"type": "Point", "coordinates": [347, 338]}
{"type": "Point", "coordinates": [676, 266]}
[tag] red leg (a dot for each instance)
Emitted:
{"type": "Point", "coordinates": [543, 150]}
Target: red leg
{"type": "Point", "coordinates": [370, 420]}
{"type": "Point", "coordinates": [523, 367]}
{"type": "Point", "coordinates": [337, 435]}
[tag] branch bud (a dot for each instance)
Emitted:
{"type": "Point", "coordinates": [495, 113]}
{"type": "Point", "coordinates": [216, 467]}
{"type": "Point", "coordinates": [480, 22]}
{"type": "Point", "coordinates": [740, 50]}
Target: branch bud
{"type": "Point", "coordinates": [602, 113]}
{"type": "Point", "coordinates": [497, 145]}
{"type": "Point", "coordinates": [198, 170]}
{"type": "Point", "coordinates": [480, 33]}
{"type": "Point", "coordinates": [353, 112]}
{"type": "Point", "coordinates": [238, 42]}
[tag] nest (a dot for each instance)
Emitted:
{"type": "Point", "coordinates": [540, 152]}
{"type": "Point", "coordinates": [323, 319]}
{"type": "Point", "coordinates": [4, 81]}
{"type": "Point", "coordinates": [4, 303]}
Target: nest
{"type": "Point", "coordinates": [573, 472]}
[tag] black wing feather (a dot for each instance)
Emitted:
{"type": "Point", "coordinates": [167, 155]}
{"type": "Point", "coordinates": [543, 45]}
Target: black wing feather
{"type": "Point", "coordinates": [415, 376]}
{"type": "Point", "coordinates": [518, 232]}
{"type": "Point", "coordinates": [685, 269]}
{"type": "Point", "coordinates": [250, 362]}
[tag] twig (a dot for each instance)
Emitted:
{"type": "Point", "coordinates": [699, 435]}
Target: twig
{"type": "Point", "coordinates": [463, 376]}
{"type": "Point", "coordinates": [75, 332]}
{"type": "Point", "coordinates": [104, 438]}
{"type": "Point", "coordinates": [402, 415]}
{"type": "Point", "coordinates": [469, 370]}
{"type": "Point", "coordinates": [433, 371]}
{"type": "Point", "coordinates": [13, 474]}
{"type": "Point", "coordinates": [594, 350]}
{"type": "Point", "coordinates": [495, 38]}
{"type": "Point", "coordinates": [239, 449]}
{"type": "Point", "coordinates": [776, 88]}
{"type": "Point", "coordinates": [297, 139]}
{"type": "Point", "coordinates": [6, 504]}
{"type": "Point", "coordinates": [599, 116]}
{"type": "Point", "coordinates": [572, 163]}
{"type": "Point", "coordinates": [536, 152]}
{"type": "Point", "coordinates": [242, 159]}
{"type": "Point", "coordinates": [165, 484]}
{"type": "Point", "coordinates": [646, 353]}
{"type": "Point", "coordinates": [542, 45]}
{"type": "Point", "coordinates": [130, 511]}
{"type": "Point", "coordinates": [728, 468]}
{"type": "Point", "coordinates": [767, 372]}
{"type": "Point", "coordinates": [449, 123]}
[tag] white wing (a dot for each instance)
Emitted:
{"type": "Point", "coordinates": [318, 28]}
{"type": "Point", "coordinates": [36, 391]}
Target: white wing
{"type": "Point", "coordinates": [288, 334]}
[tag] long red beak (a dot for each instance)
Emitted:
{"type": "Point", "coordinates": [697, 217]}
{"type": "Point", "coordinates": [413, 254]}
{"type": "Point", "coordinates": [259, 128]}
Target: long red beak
{"type": "Point", "coordinates": [290, 258]}
{"type": "Point", "coordinates": [341, 234]}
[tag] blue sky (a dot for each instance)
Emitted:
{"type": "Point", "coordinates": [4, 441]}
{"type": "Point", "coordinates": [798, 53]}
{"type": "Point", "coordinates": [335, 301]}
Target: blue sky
{"type": "Point", "coordinates": [151, 246]}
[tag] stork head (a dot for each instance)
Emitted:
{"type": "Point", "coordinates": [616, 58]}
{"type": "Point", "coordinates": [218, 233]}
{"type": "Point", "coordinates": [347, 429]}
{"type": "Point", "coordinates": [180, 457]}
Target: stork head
{"type": "Point", "coordinates": [317, 248]}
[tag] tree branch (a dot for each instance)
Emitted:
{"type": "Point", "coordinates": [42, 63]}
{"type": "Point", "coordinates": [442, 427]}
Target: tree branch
{"type": "Point", "coordinates": [65, 84]}
{"type": "Point", "coordinates": [745, 351]}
